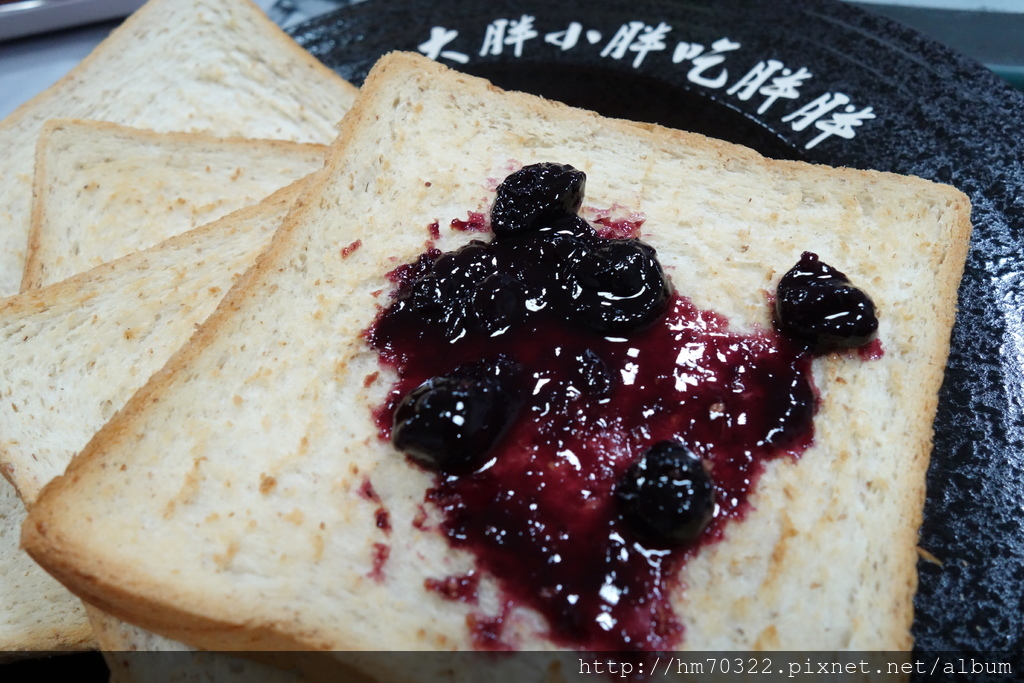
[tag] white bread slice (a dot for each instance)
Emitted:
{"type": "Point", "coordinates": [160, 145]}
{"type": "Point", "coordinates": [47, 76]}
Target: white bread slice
{"type": "Point", "coordinates": [139, 188]}
{"type": "Point", "coordinates": [216, 66]}
{"type": "Point", "coordinates": [111, 328]}
{"type": "Point", "coordinates": [37, 614]}
{"type": "Point", "coordinates": [102, 191]}
{"type": "Point", "coordinates": [227, 493]}
{"type": "Point", "coordinates": [107, 330]}
{"type": "Point", "coordinates": [175, 65]}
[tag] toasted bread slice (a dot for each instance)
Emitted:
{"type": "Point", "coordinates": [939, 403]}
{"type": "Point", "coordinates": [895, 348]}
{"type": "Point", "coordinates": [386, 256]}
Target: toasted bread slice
{"type": "Point", "coordinates": [37, 614]}
{"type": "Point", "coordinates": [230, 493]}
{"type": "Point", "coordinates": [175, 65]}
{"type": "Point", "coordinates": [132, 182]}
{"type": "Point", "coordinates": [108, 329]}
{"type": "Point", "coordinates": [102, 191]}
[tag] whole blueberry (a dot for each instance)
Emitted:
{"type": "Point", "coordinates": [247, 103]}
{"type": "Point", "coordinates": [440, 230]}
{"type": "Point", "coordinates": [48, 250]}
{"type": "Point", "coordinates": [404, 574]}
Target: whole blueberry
{"type": "Point", "coordinates": [666, 496]}
{"type": "Point", "coordinates": [536, 194]}
{"type": "Point", "coordinates": [440, 300]}
{"type": "Point", "coordinates": [449, 423]}
{"type": "Point", "coordinates": [498, 302]}
{"type": "Point", "coordinates": [544, 262]}
{"type": "Point", "coordinates": [620, 286]}
{"type": "Point", "coordinates": [818, 306]}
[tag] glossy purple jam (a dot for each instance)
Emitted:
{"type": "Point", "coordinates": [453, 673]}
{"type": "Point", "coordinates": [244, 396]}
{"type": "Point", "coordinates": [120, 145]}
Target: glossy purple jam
{"type": "Point", "coordinates": [539, 511]}
{"type": "Point", "coordinates": [475, 222]}
{"type": "Point", "coordinates": [818, 305]}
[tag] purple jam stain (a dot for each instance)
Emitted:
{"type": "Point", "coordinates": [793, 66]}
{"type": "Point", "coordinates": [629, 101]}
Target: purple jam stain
{"type": "Point", "coordinates": [434, 229]}
{"type": "Point", "coordinates": [381, 514]}
{"type": "Point", "coordinates": [367, 491]}
{"type": "Point", "coordinates": [348, 250]}
{"type": "Point", "coordinates": [460, 588]}
{"type": "Point", "coordinates": [407, 272]}
{"type": "Point", "coordinates": [540, 516]}
{"type": "Point", "coordinates": [383, 518]}
{"type": "Point", "coordinates": [873, 350]}
{"type": "Point", "coordinates": [475, 222]}
{"type": "Point", "coordinates": [486, 632]}
{"type": "Point", "coordinates": [381, 553]}
{"type": "Point", "coordinates": [617, 228]}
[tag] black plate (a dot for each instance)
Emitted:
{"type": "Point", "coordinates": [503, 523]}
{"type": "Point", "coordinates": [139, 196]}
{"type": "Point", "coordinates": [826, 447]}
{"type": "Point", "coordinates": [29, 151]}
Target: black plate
{"type": "Point", "coordinates": [892, 100]}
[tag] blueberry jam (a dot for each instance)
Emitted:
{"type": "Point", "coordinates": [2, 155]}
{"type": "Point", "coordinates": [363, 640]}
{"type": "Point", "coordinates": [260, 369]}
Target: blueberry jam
{"type": "Point", "coordinates": [818, 305]}
{"type": "Point", "coordinates": [600, 389]}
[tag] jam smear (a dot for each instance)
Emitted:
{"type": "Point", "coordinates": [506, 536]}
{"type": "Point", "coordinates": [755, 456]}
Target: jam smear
{"type": "Point", "coordinates": [461, 588]}
{"type": "Point", "coordinates": [349, 249]}
{"type": "Point", "coordinates": [475, 222]}
{"type": "Point", "coordinates": [593, 393]}
{"type": "Point", "coordinates": [540, 515]}
{"type": "Point", "coordinates": [381, 553]}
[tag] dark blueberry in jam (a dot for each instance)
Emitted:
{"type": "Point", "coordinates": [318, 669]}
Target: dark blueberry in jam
{"type": "Point", "coordinates": [620, 286]}
{"type": "Point", "coordinates": [595, 377]}
{"type": "Point", "coordinates": [544, 263]}
{"type": "Point", "coordinates": [535, 194]}
{"type": "Point", "coordinates": [575, 226]}
{"type": "Point", "coordinates": [497, 303]}
{"type": "Point", "coordinates": [441, 297]}
{"type": "Point", "coordinates": [423, 297]}
{"type": "Point", "coordinates": [449, 423]}
{"type": "Point", "coordinates": [817, 305]}
{"type": "Point", "coordinates": [667, 496]}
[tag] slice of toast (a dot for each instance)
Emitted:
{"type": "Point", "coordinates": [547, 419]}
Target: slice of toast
{"type": "Point", "coordinates": [111, 327]}
{"type": "Point", "coordinates": [215, 66]}
{"type": "Point", "coordinates": [37, 614]}
{"type": "Point", "coordinates": [102, 191]}
{"type": "Point", "coordinates": [139, 187]}
{"type": "Point", "coordinates": [147, 304]}
{"type": "Point", "coordinates": [175, 65]}
{"type": "Point", "coordinates": [239, 494]}
{"type": "Point", "coordinates": [105, 332]}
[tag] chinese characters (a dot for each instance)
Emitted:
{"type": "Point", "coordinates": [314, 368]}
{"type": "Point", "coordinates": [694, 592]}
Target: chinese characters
{"type": "Point", "coordinates": [770, 83]}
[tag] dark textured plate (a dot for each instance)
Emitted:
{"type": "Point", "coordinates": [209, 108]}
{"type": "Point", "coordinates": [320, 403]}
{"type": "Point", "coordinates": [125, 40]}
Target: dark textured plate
{"type": "Point", "coordinates": [877, 96]}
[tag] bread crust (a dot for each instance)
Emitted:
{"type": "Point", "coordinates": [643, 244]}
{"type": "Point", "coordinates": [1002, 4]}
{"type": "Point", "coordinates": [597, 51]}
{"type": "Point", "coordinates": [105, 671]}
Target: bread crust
{"type": "Point", "coordinates": [772, 546]}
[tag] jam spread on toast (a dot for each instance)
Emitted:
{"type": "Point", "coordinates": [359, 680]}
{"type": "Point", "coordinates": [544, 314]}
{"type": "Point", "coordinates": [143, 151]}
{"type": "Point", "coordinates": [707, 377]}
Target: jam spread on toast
{"type": "Point", "coordinates": [590, 428]}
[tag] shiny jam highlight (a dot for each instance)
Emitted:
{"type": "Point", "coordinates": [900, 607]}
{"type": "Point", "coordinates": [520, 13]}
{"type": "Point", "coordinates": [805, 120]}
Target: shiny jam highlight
{"type": "Point", "coordinates": [539, 512]}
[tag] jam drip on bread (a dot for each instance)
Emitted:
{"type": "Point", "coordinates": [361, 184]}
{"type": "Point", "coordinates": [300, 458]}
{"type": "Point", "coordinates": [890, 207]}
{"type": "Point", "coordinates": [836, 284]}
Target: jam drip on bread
{"type": "Point", "coordinates": [589, 427]}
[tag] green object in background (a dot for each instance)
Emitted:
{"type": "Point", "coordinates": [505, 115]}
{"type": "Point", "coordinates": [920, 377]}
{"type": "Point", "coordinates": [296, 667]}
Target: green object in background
{"type": "Point", "coordinates": [994, 38]}
{"type": "Point", "coordinates": [1014, 75]}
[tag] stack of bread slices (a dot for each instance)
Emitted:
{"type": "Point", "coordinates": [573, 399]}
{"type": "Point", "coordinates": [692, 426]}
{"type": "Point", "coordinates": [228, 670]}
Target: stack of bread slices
{"type": "Point", "coordinates": [193, 425]}
{"type": "Point", "coordinates": [132, 194]}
